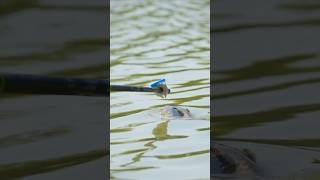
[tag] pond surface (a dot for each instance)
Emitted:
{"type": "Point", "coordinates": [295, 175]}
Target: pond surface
{"type": "Point", "coordinates": [53, 137]}
{"type": "Point", "coordinates": [151, 40]}
{"type": "Point", "coordinates": [266, 81]}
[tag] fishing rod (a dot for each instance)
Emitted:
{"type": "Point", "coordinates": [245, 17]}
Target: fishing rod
{"type": "Point", "coordinates": [46, 85]}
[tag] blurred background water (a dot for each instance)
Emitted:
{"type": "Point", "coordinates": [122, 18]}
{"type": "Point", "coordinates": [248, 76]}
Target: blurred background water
{"type": "Point", "coordinates": [151, 40]}
{"type": "Point", "coordinates": [53, 137]}
{"type": "Point", "coordinates": [266, 78]}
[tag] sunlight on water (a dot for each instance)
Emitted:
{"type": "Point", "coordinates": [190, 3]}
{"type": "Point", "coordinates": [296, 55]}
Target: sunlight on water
{"type": "Point", "coordinates": [151, 40]}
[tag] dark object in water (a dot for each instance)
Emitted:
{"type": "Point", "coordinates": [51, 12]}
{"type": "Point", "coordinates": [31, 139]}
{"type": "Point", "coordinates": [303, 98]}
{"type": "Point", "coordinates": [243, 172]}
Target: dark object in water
{"type": "Point", "coordinates": [226, 162]}
{"type": "Point", "coordinates": [222, 163]}
{"type": "Point", "coordinates": [232, 163]}
{"type": "Point", "coordinates": [174, 112]}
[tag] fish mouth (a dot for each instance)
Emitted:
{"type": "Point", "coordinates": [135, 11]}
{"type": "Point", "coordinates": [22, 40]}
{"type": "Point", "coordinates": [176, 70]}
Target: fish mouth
{"type": "Point", "coordinates": [229, 161]}
{"type": "Point", "coordinates": [178, 112]}
{"type": "Point", "coordinates": [223, 163]}
{"type": "Point", "coordinates": [173, 112]}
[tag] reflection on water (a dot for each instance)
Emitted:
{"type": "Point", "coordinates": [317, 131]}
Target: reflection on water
{"type": "Point", "coordinates": [265, 96]}
{"type": "Point", "coordinates": [40, 135]}
{"type": "Point", "coordinates": [151, 40]}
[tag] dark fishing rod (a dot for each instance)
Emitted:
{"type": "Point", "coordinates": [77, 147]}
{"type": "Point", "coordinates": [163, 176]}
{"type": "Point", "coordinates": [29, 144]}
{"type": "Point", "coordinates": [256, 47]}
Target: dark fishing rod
{"type": "Point", "coordinates": [46, 85]}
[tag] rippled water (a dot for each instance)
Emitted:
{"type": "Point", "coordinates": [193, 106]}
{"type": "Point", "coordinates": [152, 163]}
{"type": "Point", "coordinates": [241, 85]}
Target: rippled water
{"type": "Point", "coordinates": [266, 98]}
{"type": "Point", "coordinates": [151, 40]}
{"type": "Point", "coordinates": [47, 137]}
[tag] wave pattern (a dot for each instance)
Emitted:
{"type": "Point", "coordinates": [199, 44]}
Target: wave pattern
{"type": "Point", "coordinates": [151, 40]}
{"type": "Point", "coordinates": [39, 135]}
{"type": "Point", "coordinates": [265, 96]}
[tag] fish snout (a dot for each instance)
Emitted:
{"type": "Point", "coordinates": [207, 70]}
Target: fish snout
{"type": "Point", "coordinates": [176, 112]}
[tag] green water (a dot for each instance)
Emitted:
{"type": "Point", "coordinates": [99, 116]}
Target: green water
{"type": "Point", "coordinates": [266, 99]}
{"type": "Point", "coordinates": [166, 40]}
{"type": "Point", "coordinates": [46, 137]}
{"type": "Point", "coordinates": [151, 40]}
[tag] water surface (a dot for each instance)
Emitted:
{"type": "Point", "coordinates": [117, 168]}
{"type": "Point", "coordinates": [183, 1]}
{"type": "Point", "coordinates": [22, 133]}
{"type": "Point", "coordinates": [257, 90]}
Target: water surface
{"type": "Point", "coordinates": [266, 79]}
{"type": "Point", "coordinates": [53, 137]}
{"type": "Point", "coordinates": [151, 40]}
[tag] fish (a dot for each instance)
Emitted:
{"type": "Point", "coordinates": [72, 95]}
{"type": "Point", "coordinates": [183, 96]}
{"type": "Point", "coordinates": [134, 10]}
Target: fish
{"type": "Point", "coordinates": [175, 112]}
{"type": "Point", "coordinates": [226, 162]}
